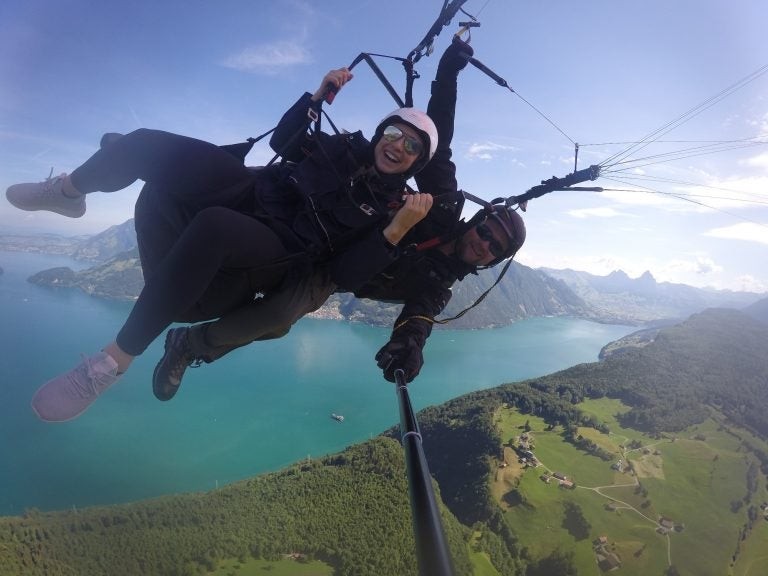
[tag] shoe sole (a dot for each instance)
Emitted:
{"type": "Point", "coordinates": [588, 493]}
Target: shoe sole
{"type": "Point", "coordinates": [75, 213]}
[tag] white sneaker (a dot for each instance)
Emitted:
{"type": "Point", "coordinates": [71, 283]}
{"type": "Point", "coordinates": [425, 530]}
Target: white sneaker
{"type": "Point", "coordinates": [68, 395]}
{"type": "Point", "coordinates": [46, 195]}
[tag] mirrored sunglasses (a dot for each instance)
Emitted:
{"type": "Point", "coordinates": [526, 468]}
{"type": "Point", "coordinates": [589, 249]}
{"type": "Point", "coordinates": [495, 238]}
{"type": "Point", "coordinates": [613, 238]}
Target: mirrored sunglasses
{"type": "Point", "coordinates": [486, 234]}
{"type": "Point", "coordinates": [412, 146]}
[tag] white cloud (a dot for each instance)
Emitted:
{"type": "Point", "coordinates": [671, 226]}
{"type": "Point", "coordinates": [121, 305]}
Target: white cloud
{"type": "Point", "coordinates": [747, 231]}
{"type": "Point", "coordinates": [762, 123]}
{"type": "Point", "coordinates": [636, 197]}
{"type": "Point", "coordinates": [700, 266]}
{"type": "Point", "coordinates": [759, 161]}
{"type": "Point", "coordinates": [735, 192]}
{"type": "Point", "coordinates": [706, 266]}
{"type": "Point", "coordinates": [269, 58]}
{"type": "Point", "coordinates": [487, 150]}
{"type": "Point", "coordinates": [699, 187]}
{"type": "Point", "coordinates": [748, 283]}
{"type": "Point", "coordinates": [600, 212]}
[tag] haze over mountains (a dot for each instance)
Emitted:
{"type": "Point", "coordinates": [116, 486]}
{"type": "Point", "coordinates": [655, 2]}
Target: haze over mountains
{"type": "Point", "coordinates": [524, 292]}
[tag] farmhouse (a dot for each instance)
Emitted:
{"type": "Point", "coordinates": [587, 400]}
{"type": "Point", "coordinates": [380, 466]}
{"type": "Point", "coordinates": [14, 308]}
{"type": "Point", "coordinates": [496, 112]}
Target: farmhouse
{"type": "Point", "coordinates": [609, 562]}
{"type": "Point", "coordinates": [666, 523]}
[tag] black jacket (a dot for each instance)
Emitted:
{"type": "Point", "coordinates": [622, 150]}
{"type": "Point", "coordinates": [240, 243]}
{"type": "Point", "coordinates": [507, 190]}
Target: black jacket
{"type": "Point", "coordinates": [422, 280]}
{"type": "Point", "coordinates": [328, 200]}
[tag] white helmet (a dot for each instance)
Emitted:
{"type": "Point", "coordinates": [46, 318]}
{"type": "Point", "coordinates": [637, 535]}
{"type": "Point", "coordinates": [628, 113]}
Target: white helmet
{"type": "Point", "coordinates": [420, 122]}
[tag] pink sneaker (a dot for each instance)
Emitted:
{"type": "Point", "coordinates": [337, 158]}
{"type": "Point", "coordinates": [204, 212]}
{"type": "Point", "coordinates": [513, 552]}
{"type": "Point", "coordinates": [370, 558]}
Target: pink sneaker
{"type": "Point", "coordinates": [46, 195]}
{"type": "Point", "coordinates": [68, 395]}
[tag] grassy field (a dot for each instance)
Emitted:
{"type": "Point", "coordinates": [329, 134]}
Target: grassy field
{"type": "Point", "coordinates": [692, 479]}
{"type": "Point", "coordinates": [481, 563]}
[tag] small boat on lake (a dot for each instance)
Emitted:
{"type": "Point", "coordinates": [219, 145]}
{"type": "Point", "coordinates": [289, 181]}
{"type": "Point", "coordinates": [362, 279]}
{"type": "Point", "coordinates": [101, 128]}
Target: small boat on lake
{"type": "Point", "coordinates": [337, 417]}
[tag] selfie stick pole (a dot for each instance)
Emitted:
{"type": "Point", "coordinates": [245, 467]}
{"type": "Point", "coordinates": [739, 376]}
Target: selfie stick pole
{"type": "Point", "coordinates": [431, 549]}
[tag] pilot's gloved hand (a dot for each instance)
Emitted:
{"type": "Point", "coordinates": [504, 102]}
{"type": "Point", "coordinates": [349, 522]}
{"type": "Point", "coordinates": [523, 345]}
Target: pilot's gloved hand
{"type": "Point", "coordinates": [452, 61]}
{"type": "Point", "coordinates": [403, 353]}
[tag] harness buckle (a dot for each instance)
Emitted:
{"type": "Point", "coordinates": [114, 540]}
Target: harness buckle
{"type": "Point", "coordinates": [367, 209]}
{"type": "Point", "coordinates": [312, 114]}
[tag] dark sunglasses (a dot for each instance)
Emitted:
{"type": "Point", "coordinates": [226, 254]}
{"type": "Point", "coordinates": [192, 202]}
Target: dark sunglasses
{"type": "Point", "coordinates": [412, 146]}
{"type": "Point", "coordinates": [486, 234]}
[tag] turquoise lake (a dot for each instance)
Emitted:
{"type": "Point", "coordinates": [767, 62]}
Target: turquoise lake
{"type": "Point", "coordinates": [261, 408]}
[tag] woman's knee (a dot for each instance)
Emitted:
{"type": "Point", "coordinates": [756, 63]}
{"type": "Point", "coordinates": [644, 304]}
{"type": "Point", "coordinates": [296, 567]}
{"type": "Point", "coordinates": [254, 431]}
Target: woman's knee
{"type": "Point", "coordinates": [144, 134]}
{"type": "Point", "coordinates": [218, 221]}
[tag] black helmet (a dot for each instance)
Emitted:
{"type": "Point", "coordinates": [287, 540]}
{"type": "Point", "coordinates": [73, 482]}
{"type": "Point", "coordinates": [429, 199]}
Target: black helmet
{"type": "Point", "coordinates": [512, 224]}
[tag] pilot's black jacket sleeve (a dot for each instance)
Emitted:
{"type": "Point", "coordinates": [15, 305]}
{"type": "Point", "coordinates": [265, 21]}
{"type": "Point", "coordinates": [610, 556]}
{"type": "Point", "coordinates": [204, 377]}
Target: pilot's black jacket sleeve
{"type": "Point", "coordinates": [290, 136]}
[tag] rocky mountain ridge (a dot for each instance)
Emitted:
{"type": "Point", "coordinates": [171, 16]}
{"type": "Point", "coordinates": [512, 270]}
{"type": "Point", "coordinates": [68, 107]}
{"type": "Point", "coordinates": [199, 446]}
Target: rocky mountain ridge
{"type": "Point", "coordinates": [643, 300]}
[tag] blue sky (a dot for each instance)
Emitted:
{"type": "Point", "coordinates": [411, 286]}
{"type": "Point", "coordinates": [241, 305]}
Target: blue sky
{"type": "Point", "coordinates": [601, 71]}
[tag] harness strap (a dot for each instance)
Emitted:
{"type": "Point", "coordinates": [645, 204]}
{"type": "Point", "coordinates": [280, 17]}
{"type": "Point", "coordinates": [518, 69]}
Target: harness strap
{"type": "Point", "coordinates": [460, 314]}
{"type": "Point", "coordinates": [312, 116]}
{"type": "Point", "coordinates": [477, 200]}
{"type": "Point", "coordinates": [410, 76]}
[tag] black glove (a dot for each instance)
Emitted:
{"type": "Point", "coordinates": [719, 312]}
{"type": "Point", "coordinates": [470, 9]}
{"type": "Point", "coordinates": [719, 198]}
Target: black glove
{"type": "Point", "coordinates": [451, 61]}
{"type": "Point", "coordinates": [402, 353]}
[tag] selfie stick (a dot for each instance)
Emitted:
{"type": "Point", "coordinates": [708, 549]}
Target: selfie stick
{"type": "Point", "coordinates": [431, 548]}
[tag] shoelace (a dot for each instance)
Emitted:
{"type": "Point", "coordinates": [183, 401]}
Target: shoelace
{"type": "Point", "coordinates": [50, 182]}
{"type": "Point", "coordinates": [92, 382]}
{"type": "Point", "coordinates": [186, 359]}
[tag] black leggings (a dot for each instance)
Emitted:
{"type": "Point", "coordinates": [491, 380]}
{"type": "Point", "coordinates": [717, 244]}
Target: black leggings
{"type": "Point", "coordinates": [201, 256]}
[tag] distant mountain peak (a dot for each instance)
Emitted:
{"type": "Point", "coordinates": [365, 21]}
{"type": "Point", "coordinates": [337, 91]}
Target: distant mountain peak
{"type": "Point", "coordinates": [618, 275]}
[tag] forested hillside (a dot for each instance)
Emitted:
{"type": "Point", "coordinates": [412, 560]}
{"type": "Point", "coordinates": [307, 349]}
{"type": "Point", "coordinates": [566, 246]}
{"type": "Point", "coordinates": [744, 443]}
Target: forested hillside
{"type": "Point", "coordinates": [350, 510]}
{"type": "Point", "coordinates": [715, 359]}
{"type": "Point", "coordinates": [119, 278]}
